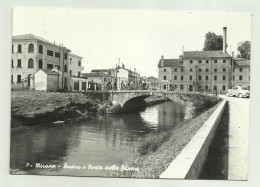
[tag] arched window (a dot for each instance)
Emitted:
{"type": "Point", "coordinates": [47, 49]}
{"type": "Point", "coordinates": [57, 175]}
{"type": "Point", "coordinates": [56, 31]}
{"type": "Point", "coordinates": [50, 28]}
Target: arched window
{"type": "Point", "coordinates": [66, 56]}
{"type": "Point", "coordinates": [30, 63]}
{"type": "Point", "coordinates": [40, 65]}
{"type": "Point", "coordinates": [40, 49]}
{"type": "Point", "coordinates": [31, 48]}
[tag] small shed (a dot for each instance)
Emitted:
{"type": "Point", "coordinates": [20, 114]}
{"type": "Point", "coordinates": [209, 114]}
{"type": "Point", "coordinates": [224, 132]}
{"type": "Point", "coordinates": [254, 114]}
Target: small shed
{"type": "Point", "coordinates": [48, 80]}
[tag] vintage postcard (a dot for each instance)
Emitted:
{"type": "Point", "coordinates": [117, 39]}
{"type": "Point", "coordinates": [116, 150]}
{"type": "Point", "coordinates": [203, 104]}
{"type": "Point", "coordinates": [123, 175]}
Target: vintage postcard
{"type": "Point", "coordinates": [127, 93]}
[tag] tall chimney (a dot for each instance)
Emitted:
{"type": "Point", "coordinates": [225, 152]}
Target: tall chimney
{"type": "Point", "coordinates": [224, 39]}
{"type": "Point", "coordinates": [162, 64]}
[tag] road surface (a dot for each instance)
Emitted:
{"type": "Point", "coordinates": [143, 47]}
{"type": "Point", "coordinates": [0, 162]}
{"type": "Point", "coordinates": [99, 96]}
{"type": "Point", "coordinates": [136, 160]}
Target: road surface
{"type": "Point", "coordinates": [238, 138]}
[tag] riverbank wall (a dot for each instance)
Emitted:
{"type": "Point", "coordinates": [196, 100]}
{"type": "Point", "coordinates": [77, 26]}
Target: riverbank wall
{"type": "Point", "coordinates": [35, 107]}
{"type": "Point", "coordinates": [189, 162]}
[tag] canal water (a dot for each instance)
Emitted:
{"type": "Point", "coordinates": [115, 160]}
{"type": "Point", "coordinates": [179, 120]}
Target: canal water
{"type": "Point", "coordinates": [95, 143]}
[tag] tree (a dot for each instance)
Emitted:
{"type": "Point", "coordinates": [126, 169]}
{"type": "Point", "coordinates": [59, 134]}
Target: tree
{"type": "Point", "coordinates": [213, 42]}
{"type": "Point", "coordinates": [244, 49]}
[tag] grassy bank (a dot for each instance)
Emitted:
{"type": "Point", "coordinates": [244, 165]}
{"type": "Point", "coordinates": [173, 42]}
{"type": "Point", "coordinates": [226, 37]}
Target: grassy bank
{"type": "Point", "coordinates": [29, 106]}
{"type": "Point", "coordinates": [159, 148]}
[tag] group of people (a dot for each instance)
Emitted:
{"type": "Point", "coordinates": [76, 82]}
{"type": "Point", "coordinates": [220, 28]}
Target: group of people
{"type": "Point", "coordinates": [132, 85]}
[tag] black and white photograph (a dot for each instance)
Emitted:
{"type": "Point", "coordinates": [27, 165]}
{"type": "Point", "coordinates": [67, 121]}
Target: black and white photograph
{"type": "Point", "coordinates": [144, 94]}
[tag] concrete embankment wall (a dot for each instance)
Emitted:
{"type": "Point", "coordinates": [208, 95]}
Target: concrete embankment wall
{"type": "Point", "coordinates": [188, 164]}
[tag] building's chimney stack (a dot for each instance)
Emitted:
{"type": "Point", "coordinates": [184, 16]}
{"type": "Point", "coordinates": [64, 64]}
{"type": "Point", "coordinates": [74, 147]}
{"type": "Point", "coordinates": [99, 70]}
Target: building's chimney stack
{"type": "Point", "coordinates": [224, 39]}
{"type": "Point", "coordinates": [123, 66]}
{"type": "Point", "coordinates": [162, 59]}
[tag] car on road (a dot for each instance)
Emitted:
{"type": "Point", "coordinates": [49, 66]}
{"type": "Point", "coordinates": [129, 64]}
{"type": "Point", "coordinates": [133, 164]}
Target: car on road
{"type": "Point", "coordinates": [238, 91]}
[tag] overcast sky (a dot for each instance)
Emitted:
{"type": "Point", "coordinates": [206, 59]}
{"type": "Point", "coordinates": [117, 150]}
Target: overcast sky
{"type": "Point", "coordinates": [138, 38]}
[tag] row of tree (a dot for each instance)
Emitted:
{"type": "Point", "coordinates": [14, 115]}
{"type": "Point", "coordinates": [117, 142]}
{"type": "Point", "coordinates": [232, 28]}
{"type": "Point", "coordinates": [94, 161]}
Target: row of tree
{"type": "Point", "coordinates": [215, 42]}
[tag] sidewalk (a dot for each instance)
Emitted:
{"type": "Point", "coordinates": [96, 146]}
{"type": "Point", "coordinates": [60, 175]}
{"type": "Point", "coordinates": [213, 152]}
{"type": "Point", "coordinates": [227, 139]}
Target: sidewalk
{"type": "Point", "coordinates": [238, 138]}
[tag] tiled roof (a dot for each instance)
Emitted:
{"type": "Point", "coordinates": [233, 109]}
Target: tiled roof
{"type": "Point", "coordinates": [204, 54]}
{"type": "Point", "coordinates": [34, 37]}
{"type": "Point", "coordinates": [29, 37]}
{"type": "Point", "coordinates": [94, 74]}
{"type": "Point", "coordinates": [241, 62]}
{"type": "Point", "coordinates": [170, 63]}
{"type": "Point", "coordinates": [51, 72]}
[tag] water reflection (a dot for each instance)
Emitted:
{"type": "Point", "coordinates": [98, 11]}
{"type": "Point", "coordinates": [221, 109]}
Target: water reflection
{"type": "Point", "coordinates": [99, 140]}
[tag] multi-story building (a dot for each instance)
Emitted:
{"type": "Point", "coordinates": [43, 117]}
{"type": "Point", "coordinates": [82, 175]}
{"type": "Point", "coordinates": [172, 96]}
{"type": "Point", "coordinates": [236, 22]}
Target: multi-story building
{"type": "Point", "coordinates": [31, 53]}
{"type": "Point", "coordinates": [241, 72]}
{"type": "Point", "coordinates": [75, 66]}
{"type": "Point", "coordinates": [202, 71]}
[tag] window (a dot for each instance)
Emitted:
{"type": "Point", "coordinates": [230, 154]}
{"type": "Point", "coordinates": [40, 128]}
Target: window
{"type": "Point", "coordinates": [224, 78]}
{"type": "Point", "coordinates": [215, 70]}
{"type": "Point", "coordinates": [30, 63]}
{"type": "Point", "coordinates": [181, 87]}
{"type": "Point", "coordinates": [84, 86]}
{"type": "Point", "coordinates": [12, 63]}
{"type": "Point", "coordinates": [199, 77]}
{"type": "Point", "coordinates": [40, 64]}
{"type": "Point", "coordinates": [240, 77]}
{"type": "Point", "coordinates": [199, 70]}
{"type": "Point", "coordinates": [79, 74]}
{"type": "Point", "coordinates": [164, 87]}
{"type": "Point", "coordinates": [12, 48]}
{"type": "Point", "coordinates": [190, 69]}
{"type": "Point", "coordinates": [240, 69]}
{"type": "Point", "coordinates": [200, 61]}
{"type": "Point", "coordinates": [207, 61]}
{"type": "Point", "coordinates": [57, 67]}
{"type": "Point", "coordinates": [49, 53]}
{"type": "Point", "coordinates": [175, 70]}
{"type": "Point", "coordinates": [224, 61]}
{"type": "Point", "coordinates": [164, 70]}
{"type": "Point", "coordinates": [19, 48]}
{"type": "Point", "coordinates": [207, 69]}
{"type": "Point", "coordinates": [175, 77]}
{"type": "Point", "coordinates": [105, 79]}
{"type": "Point", "coordinates": [207, 77]}
{"type": "Point", "coordinates": [40, 49]}
{"type": "Point", "coordinates": [76, 85]}
{"type": "Point", "coordinates": [65, 68]}
{"type": "Point", "coordinates": [19, 78]}
{"type": "Point", "coordinates": [215, 61]}
{"type": "Point", "coordinates": [19, 63]}
{"type": "Point", "coordinates": [66, 56]}
{"type": "Point", "coordinates": [224, 69]}
{"type": "Point", "coordinates": [206, 87]}
{"type": "Point", "coordinates": [49, 66]}
{"type": "Point", "coordinates": [215, 78]}
{"type": "Point", "coordinates": [70, 72]}
{"type": "Point", "coordinates": [190, 77]}
{"type": "Point", "coordinates": [181, 77]}
{"type": "Point", "coordinates": [12, 79]}
{"type": "Point", "coordinates": [164, 77]}
{"type": "Point", "coordinates": [30, 48]}
{"type": "Point", "coordinates": [79, 64]}
{"type": "Point", "coordinates": [57, 55]}
{"type": "Point", "coordinates": [215, 87]}
{"type": "Point", "coordinates": [191, 61]}
{"type": "Point", "coordinates": [181, 69]}
{"type": "Point", "coordinates": [224, 87]}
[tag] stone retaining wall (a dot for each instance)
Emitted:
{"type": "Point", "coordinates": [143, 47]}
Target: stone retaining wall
{"type": "Point", "coordinates": [188, 164]}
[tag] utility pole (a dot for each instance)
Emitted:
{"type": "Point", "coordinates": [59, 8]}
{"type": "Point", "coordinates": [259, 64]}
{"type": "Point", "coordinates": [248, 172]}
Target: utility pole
{"type": "Point", "coordinates": [58, 85]}
{"type": "Point", "coordinates": [232, 69]}
{"type": "Point", "coordinates": [62, 67]}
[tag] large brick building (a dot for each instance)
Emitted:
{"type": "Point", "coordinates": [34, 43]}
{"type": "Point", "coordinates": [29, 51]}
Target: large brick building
{"type": "Point", "coordinates": [31, 53]}
{"type": "Point", "coordinates": [203, 71]}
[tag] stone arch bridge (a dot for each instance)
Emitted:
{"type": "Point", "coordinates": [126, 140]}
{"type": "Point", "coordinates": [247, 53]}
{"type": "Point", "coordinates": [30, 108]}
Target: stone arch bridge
{"type": "Point", "coordinates": [126, 98]}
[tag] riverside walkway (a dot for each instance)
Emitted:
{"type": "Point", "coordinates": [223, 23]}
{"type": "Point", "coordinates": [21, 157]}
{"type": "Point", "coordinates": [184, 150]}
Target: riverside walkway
{"type": "Point", "coordinates": [238, 138]}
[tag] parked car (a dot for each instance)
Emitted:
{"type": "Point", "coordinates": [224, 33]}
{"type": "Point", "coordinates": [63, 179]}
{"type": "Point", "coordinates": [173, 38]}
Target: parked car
{"type": "Point", "coordinates": [238, 91]}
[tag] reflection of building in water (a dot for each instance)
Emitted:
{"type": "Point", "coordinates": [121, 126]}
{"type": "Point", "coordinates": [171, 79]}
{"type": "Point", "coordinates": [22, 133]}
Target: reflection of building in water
{"type": "Point", "coordinates": [42, 145]}
{"type": "Point", "coordinates": [150, 116]}
{"type": "Point", "coordinates": [170, 114]}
